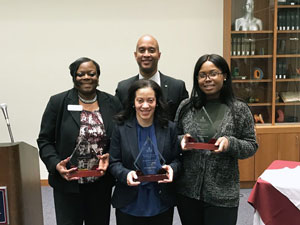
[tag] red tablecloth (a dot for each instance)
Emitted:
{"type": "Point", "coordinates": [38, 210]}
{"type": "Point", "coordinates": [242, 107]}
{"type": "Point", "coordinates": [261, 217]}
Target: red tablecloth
{"type": "Point", "coordinates": [274, 208]}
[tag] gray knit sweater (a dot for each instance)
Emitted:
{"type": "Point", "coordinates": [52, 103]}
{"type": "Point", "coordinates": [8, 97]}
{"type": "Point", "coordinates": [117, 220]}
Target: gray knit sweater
{"type": "Point", "coordinates": [214, 177]}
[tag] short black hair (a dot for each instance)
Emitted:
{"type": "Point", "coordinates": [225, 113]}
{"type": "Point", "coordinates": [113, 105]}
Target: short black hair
{"type": "Point", "coordinates": [75, 65]}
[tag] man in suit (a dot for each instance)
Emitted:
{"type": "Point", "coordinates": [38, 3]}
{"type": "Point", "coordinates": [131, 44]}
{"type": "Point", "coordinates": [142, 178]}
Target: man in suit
{"type": "Point", "coordinates": [147, 55]}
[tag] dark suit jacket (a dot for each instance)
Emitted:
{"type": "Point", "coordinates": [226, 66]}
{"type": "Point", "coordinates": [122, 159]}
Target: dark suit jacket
{"type": "Point", "coordinates": [60, 129]}
{"type": "Point", "coordinates": [174, 91]}
{"type": "Point", "coordinates": [123, 152]}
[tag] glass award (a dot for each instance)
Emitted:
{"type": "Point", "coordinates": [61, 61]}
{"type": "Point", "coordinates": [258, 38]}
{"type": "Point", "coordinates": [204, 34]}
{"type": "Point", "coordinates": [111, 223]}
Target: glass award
{"type": "Point", "coordinates": [206, 130]}
{"type": "Point", "coordinates": [85, 160]}
{"type": "Point", "coordinates": [149, 163]}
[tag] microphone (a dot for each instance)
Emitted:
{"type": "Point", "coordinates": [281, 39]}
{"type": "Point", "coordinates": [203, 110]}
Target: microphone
{"type": "Point", "coordinates": [4, 110]}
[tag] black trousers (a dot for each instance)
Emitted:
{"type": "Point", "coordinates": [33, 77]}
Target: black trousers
{"type": "Point", "coordinates": [91, 205]}
{"type": "Point", "coordinates": [197, 212]}
{"type": "Point", "coordinates": [165, 218]}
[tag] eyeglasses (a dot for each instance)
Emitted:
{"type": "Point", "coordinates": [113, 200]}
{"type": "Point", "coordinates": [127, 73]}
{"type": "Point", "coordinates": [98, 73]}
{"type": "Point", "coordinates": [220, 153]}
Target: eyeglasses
{"type": "Point", "coordinates": [212, 74]}
{"type": "Point", "coordinates": [90, 74]}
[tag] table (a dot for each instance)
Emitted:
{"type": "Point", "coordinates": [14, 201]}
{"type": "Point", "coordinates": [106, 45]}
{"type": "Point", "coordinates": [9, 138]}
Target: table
{"type": "Point", "coordinates": [271, 206]}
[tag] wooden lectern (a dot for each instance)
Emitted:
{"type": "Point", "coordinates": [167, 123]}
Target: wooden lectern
{"type": "Point", "coordinates": [20, 173]}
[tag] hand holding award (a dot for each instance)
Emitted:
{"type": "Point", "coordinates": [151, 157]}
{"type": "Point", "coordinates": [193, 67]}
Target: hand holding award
{"type": "Point", "coordinates": [61, 167]}
{"type": "Point", "coordinates": [88, 165]}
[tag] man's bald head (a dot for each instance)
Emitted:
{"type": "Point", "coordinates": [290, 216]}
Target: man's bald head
{"type": "Point", "coordinates": [147, 55]}
{"type": "Point", "coordinates": [147, 38]}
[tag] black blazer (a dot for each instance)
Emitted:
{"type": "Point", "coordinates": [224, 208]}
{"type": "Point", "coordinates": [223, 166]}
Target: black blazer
{"type": "Point", "coordinates": [174, 91]}
{"type": "Point", "coordinates": [60, 129]}
{"type": "Point", "coordinates": [123, 152]}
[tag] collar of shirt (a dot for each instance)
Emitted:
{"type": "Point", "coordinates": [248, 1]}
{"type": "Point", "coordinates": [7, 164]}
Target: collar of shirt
{"type": "Point", "coordinates": [155, 77]}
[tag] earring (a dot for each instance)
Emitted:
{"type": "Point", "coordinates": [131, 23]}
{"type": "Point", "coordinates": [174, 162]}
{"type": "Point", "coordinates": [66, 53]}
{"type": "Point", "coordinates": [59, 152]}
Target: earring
{"type": "Point", "coordinates": [133, 106]}
{"type": "Point", "coordinates": [225, 79]}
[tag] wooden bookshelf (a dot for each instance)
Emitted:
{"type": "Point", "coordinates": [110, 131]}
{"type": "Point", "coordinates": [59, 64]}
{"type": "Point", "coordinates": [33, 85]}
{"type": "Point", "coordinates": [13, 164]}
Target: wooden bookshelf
{"type": "Point", "coordinates": [277, 54]}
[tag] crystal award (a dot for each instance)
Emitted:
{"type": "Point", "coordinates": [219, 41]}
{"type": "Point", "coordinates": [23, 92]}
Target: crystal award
{"type": "Point", "coordinates": [149, 163]}
{"type": "Point", "coordinates": [206, 130]}
{"type": "Point", "coordinates": [86, 161]}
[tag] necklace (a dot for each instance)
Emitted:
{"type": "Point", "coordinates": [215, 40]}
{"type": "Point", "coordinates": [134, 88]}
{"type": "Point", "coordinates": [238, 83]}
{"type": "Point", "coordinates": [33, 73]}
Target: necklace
{"type": "Point", "coordinates": [86, 101]}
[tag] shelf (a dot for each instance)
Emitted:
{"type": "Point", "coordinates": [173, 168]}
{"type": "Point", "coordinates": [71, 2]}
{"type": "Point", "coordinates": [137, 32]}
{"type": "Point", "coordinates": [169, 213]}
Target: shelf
{"type": "Point", "coordinates": [253, 32]}
{"type": "Point", "coordinates": [266, 80]}
{"type": "Point", "coordinates": [288, 6]}
{"type": "Point", "coordinates": [289, 56]}
{"type": "Point", "coordinates": [253, 81]}
{"type": "Point", "coordinates": [286, 103]}
{"type": "Point", "coordinates": [288, 31]}
{"type": "Point", "coordinates": [277, 128]}
{"type": "Point", "coordinates": [260, 104]}
{"type": "Point", "coordinates": [251, 56]}
{"type": "Point", "coordinates": [288, 80]}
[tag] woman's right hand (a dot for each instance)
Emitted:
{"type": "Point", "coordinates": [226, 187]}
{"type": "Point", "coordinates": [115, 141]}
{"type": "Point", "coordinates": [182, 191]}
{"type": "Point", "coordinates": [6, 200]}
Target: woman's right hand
{"type": "Point", "coordinates": [61, 167]}
{"type": "Point", "coordinates": [131, 176]}
{"type": "Point", "coordinates": [184, 140]}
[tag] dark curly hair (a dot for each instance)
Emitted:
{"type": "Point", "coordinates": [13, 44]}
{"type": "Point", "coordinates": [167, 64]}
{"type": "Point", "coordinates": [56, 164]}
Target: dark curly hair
{"type": "Point", "coordinates": [129, 110]}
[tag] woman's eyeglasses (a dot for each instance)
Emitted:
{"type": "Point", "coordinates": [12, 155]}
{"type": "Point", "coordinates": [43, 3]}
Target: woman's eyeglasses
{"type": "Point", "coordinates": [212, 74]}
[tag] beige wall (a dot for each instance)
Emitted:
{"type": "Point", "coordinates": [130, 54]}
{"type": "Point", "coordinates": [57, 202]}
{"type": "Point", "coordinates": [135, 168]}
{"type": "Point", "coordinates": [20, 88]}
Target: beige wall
{"type": "Point", "coordinates": [39, 39]}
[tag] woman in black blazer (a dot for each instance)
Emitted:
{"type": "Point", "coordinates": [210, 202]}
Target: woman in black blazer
{"type": "Point", "coordinates": [141, 123]}
{"type": "Point", "coordinates": [79, 118]}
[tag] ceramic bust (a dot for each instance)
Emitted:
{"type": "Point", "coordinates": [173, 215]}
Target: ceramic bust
{"type": "Point", "coordinates": [248, 22]}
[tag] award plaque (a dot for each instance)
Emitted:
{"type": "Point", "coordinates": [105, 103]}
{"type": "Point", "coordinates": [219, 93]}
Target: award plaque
{"type": "Point", "coordinates": [149, 163]}
{"type": "Point", "coordinates": [193, 144]}
{"type": "Point", "coordinates": [86, 163]}
{"type": "Point", "coordinates": [207, 130]}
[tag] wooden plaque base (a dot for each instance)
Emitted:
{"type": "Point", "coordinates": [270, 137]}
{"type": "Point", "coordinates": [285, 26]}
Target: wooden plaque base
{"type": "Point", "coordinates": [151, 177]}
{"type": "Point", "coordinates": [193, 144]}
{"type": "Point", "coordinates": [86, 173]}
{"type": "Point", "coordinates": [200, 145]}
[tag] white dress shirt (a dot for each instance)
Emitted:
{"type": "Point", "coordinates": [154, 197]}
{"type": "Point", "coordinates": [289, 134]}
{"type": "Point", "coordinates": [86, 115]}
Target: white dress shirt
{"type": "Point", "coordinates": [155, 77]}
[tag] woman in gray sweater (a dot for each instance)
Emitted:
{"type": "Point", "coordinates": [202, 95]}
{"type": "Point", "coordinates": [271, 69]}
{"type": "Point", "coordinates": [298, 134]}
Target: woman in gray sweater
{"type": "Point", "coordinates": [208, 187]}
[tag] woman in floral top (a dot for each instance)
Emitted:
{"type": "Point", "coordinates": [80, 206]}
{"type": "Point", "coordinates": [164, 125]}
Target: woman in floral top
{"type": "Point", "coordinates": [75, 133]}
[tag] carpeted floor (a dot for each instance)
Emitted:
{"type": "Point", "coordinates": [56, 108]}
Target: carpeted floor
{"type": "Point", "coordinates": [245, 216]}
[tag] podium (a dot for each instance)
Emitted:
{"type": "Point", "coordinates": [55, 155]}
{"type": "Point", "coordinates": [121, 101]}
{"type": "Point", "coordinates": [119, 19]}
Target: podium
{"type": "Point", "coordinates": [20, 173]}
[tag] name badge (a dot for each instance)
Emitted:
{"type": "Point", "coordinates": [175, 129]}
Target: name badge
{"type": "Point", "coordinates": [75, 107]}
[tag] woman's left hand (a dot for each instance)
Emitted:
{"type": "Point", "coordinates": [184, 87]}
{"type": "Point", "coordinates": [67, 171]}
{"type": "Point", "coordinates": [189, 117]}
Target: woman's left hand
{"type": "Point", "coordinates": [223, 143]}
{"type": "Point", "coordinates": [103, 162]}
{"type": "Point", "coordinates": [169, 174]}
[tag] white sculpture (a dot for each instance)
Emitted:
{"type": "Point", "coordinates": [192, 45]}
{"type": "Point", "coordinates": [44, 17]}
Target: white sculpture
{"type": "Point", "coordinates": [248, 22]}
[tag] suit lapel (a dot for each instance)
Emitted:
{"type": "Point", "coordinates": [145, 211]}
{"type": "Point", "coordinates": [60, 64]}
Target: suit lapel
{"type": "Point", "coordinates": [164, 85]}
{"type": "Point", "coordinates": [136, 78]}
{"type": "Point", "coordinates": [72, 99]}
{"type": "Point", "coordinates": [104, 109]}
{"type": "Point", "coordinates": [160, 137]}
{"type": "Point", "coordinates": [131, 136]}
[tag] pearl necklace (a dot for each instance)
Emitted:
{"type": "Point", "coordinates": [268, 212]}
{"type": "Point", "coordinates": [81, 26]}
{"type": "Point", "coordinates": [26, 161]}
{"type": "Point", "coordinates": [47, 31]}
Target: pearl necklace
{"type": "Point", "coordinates": [85, 101]}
